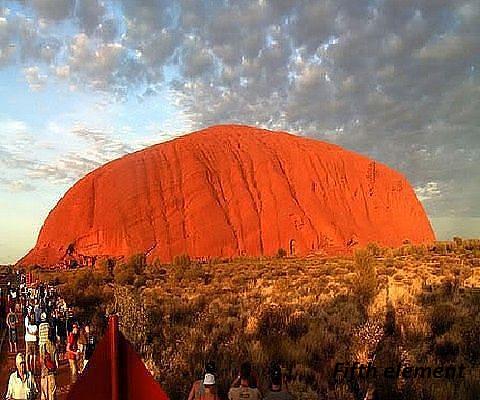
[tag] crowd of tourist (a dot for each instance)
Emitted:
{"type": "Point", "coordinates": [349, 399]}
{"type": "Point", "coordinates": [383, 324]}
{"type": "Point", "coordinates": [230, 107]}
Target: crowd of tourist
{"type": "Point", "coordinates": [51, 333]}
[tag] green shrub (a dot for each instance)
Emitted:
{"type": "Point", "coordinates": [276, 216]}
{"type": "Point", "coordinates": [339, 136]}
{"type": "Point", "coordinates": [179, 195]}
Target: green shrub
{"type": "Point", "coordinates": [442, 318]}
{"type": "Point", "coordinates": [137, 263]}
{"type": "Point", "coordinates": [373, 249]}
{"type": "Point", "coordinates": [365, 285]}
{"type": "Point", "coordinates": [447, 348]}
{"type": "Point", "coordinates": [182, 260]}
{"type": "Point", "coordinates": [124, 274]}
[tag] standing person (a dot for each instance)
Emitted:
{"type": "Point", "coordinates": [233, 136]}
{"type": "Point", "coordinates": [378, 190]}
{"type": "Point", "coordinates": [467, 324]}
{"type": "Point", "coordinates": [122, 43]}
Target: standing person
{"type": "Point", "coordinates": [3, 308]}
{"type": "Point", "coordinates": [37, 310]}
{"type": "Point", "coordinates": [69, 319]}
{"type": "Point", "coordinates": [11, 297]}
{"type": "Point", "coordinates": [72, 352]}
{"type": "Point", "coordinates": [198, 387]}
{"type": "Point", "coordinates": [241, 387]}
{"type": "Point", "coordinates": [82, 343]}
{"type": "Point", "coordinates": [21, 385]}
{"type": "Point", "coordinates": [31, 334]}
{"type": "Point", "coordinates": [61, 332]}
{"type": "Point", "coordinates": [209, 389]}
{"type": "Point", "coordinates": [43, 330]}
{"type": "Point", "coordinates": [49, 367]}
{"type": "Point", "coordinates": [12, 322]}
{"type": "Point", "coordinates": [278, 386]}
{"type": "Point", "coordinates": [89, 346]}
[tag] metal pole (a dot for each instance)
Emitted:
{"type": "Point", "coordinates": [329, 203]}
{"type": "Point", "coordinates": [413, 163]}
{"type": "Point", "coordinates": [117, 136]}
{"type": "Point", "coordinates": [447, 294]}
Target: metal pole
{"type": "Point", "coordinates": [114, 356]}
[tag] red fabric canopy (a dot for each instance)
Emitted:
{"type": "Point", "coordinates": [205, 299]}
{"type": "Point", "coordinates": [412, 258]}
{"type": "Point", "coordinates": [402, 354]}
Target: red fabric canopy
{"type": "Point", "coordinates": [116, 372]}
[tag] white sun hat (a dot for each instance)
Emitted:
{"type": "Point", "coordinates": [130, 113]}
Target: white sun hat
{"type": "Point", "coordinates": [209, 379]}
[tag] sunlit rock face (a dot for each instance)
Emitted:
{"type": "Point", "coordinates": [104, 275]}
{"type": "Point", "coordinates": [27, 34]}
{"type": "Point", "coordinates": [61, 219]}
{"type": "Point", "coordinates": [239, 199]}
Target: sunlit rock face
{"type": "Point", "coordinates": [230, 191]}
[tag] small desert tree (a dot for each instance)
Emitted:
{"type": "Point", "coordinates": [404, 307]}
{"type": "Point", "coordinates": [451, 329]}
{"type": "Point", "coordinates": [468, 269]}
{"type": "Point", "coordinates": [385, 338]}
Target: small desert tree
{"type": "Point", "coordinates": [182, 260]}
{"type": "Point", "coordinates": [281, 253]}
{"type": "Point", "coordinates": [365, 277]}
{"type": "Point", "coordinates": [138, 263]}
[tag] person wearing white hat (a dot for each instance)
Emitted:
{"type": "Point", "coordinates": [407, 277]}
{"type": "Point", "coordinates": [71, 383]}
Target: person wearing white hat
{"type": "Point", "coordinates": [21, 385]}
{"type": "Point", "coordinates": [199, 387]}
{"type": "Point", "coordinates": [210, 390]}
{"type": "Point", "coordinates": [209, 380]}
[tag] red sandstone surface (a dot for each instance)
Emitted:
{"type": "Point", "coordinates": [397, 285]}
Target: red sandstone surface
{"type": "Point", "coordinates": [232, 190]}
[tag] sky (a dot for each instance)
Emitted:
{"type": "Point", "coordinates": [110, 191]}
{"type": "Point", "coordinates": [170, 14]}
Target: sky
{"type": "Point", "coordinates": [83, 82]}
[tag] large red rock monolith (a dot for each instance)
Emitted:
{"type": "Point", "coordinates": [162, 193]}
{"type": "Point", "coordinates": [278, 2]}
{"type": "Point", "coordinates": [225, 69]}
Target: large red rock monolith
{"type": "Point", "coordinates": [228, 191]}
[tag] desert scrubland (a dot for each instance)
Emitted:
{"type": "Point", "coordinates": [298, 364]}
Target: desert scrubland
{"type": "Point", "coordinates": [413, 305]}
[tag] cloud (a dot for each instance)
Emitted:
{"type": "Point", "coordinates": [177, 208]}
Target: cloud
{"type": "Point", "coordinates": [449, 48]}
{"type": "Point", "coordinates": [53, 9]}
{"type": "Point", "coordinates": [428, 191]}
{"type": "Point", "coordinates": [101, 147]}
{"type": "Point", "coordinates": [90, 14]}
{"type": "Point", "coordinates": [106, 146]}
{"type": "Point", "coordinates": [34, 78]}
{"type": "Point", "coordinates": [65, 170]}
{"type": "Point", "coordinates": [395, 79]}
{"type": "Point", "coordinates": [7, 48]}
{"type": "Point", "coordinates": [65, 165]}
{"type": "Point", "coordinates": [16, 185]}
{"type": "Point", "coordinates": [100, 66]}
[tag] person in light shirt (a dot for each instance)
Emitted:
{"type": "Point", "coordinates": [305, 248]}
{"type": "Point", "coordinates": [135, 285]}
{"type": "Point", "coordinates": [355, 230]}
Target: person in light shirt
{"type": "Point", "coordinates": [21, 385]}
{"type": "Point", "coordinates": [244, 387]}
{"type": "Point", "coordinates": [31, 336]}
{"type": "Point", "coordinates": [43, 330]}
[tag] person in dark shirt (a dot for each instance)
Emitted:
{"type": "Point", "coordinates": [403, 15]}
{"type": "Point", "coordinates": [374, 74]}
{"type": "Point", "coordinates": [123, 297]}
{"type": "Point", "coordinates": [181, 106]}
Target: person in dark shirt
{"type": "Point", "coordinates": [278, 386]}
{"type": "Point", "coordinates": [61, 331]}
{"type": "Point", "coordinates": [12, 322]}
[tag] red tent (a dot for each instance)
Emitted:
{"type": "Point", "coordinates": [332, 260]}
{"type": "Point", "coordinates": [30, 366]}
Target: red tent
{"type": "Point", "coordinates": [116, 372]}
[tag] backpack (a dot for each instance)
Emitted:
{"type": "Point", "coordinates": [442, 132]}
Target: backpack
{"type": "Point", "coordinates": [48, 362]}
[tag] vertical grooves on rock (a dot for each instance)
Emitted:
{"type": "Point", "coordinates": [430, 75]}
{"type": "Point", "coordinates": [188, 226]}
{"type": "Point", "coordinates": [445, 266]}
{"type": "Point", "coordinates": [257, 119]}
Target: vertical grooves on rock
{"type": "Point", "coordinates": [291, 188]}
{"type": "Point", "coordinates": [365, 204]}
{"type": "Point", "coordinates": [178, 165]}
{"type": "Point", "coordinates": [317, 175]}
{"type": "Point", "coordinates": [274, 197]}
{"type": "Point", "coordinates": [313, 166]}
{"type": "Point", "coordinates": [168, 245]}
{"type": "Point", "coordinates": [241, 168]}
{"type": "Point", "coordinates": [149, 206]}
{"type": "Point", "coordinates": [219, 198]}
{"type": "Point", "coordinates": [92, 208]}
{"type": "Point", "coordinates": [259, 202]}
{"type": "Point", "coordinates": [325, 170]}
